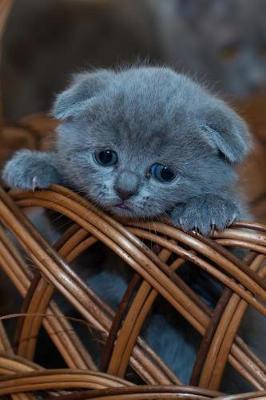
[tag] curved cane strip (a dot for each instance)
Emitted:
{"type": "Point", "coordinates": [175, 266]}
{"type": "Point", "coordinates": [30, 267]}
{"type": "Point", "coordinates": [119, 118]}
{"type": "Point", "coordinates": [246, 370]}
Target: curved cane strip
{"type": "Point", "coordinates": [5, 347]}
{"type": "Point", "coordinates": [130, 253]}
{"type": "Point", "coordinates": [207, 338]}
{"type": "Point", "coordinates": [243, 244]}
{"type": "Point", "coordinates": [245, 396]}
{"type": "Point", "coordinates": [58, 379]}
{"type": "Point", "coordinates": [257, 376]}
{"type": "Point", "coordinates": [221, 344]}
{"type": "Point", "coordinates": [132, 325]}
{"type": "Point", "coordinates": [144, 393]}
{"type": "Point", "coordinates": [160, 393]}
{"type": "Point", "coordinates": [153, 365]}
{"type": "Point", "coordinates": [125, 232]}
{"type": "Point", "coordinates": [247, 278]}
{"type": "Point", "coordinates": [148, 365]}
{"type": "Point", "coordinates": [38, 303]}
{"type": "Point", "coordinates": [56, 325]}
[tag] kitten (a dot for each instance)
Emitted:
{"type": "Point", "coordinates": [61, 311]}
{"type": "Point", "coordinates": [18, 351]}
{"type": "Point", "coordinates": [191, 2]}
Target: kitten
{"type": "Point", "coordinates": [141, 143]}
{"type": "Point", "coordinates": [220, 41]}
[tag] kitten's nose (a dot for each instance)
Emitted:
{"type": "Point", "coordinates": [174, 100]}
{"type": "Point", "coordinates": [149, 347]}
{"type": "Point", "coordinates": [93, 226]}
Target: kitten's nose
{"type": "Point", "coordinates": [124, 194]}
{"type": "Point", "coordinates": [127, 184]}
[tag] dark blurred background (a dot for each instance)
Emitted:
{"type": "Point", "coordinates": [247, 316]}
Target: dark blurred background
{"type": "Point", "coordinates": [220, 43]}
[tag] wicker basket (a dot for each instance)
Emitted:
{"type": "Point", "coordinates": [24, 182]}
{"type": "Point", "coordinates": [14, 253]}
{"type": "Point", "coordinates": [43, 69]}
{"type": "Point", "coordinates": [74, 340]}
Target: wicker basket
{"type": "Point", "coordinates": [154, 276]}
{"type": "Point", "coordinates": [244, 284]}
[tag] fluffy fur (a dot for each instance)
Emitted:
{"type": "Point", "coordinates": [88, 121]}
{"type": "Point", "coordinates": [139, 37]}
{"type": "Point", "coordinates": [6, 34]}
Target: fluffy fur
{"type": "Point", "coordinates": [147, 115]}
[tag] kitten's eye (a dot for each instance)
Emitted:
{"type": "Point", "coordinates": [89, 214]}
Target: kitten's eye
{"type": "Point", "coordinates": [229, 52]}
{"type": "Point", "coordinates": [106, 158]}
{"type": "Point", "coordinates": [162, 173]}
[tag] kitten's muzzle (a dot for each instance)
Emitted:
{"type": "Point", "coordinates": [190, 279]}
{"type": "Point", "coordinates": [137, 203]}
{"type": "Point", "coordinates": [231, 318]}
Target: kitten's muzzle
{"type": "Point", "coordinates": [127, 184]}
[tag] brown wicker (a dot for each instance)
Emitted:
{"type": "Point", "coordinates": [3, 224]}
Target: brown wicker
{"type": "Point", "coordinates": [244, 284]}
{"type": "Point", "coordinates": [154, 276]}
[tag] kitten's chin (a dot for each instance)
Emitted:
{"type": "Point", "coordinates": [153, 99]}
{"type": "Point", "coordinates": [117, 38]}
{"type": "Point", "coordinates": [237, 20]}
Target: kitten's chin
{"type": "Point", "coordinates": [130, 213]}
{"type": "Point", "coordinates": [123, 212]}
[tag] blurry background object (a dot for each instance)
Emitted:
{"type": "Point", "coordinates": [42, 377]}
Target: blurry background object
{"type": "Point", "coordinates": [221, 42]}
{"type": "Point", "coordinates": [47, 40]}
{"type": "Point", "coordinates": [31, 131]}
{"type": "Point", "coordinates": [5, 7]}
{"type": "Point", "coordinates": [253, 172]}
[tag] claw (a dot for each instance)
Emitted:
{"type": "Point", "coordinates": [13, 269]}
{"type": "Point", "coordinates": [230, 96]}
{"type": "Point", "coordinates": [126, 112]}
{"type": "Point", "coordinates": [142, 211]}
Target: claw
{"type": "Point", "coordinates": [34, 183]}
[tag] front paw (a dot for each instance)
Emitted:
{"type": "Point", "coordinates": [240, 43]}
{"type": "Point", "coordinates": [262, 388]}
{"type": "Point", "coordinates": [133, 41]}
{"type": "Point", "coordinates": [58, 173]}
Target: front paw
{"type": "Point", "coordinates": [29, 170]}
{"type": "Point", "coordinates": [204, 214]}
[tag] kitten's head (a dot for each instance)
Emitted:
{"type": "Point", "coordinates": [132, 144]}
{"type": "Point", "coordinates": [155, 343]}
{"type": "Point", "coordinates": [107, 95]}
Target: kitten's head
{"type": "Point", "coordinates": [139, 141]}
{"type": "Point", "coordinates": [223, 41]}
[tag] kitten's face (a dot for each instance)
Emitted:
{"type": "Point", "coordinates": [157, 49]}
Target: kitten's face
{"type": "Point", "coordinates": [138, 150]}
{"type": "Point", "coordinates": [223, 42]}
{"type": "Point", "coordinates": [135, 176]}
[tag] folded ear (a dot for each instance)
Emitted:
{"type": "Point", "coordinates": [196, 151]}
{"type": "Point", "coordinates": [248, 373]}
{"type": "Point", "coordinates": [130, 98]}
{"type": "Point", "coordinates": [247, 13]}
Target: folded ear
{"type": "Point", "coordinates": [226, 132]}
{"type": "Point", "coordinates": [78, 95]}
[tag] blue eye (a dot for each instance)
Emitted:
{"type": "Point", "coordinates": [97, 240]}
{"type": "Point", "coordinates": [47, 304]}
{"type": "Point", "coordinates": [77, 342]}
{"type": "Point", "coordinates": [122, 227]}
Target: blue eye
{"type": "Point", "coordinates": [106, 158]}
{"type": "Point", "coordinates": [162, 173]}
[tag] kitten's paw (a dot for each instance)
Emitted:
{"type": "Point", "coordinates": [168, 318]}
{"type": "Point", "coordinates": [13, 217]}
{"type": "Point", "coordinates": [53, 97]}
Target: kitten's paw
{"type": "Point", "coordinates": [29, 170]}
{"type": "Point", "coordinates": [204, 214]}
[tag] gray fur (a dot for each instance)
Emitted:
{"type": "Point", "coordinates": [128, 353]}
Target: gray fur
{"type": "Point", "coordinates": [29, 170]}
{"type": "Point", "coordinates": [81, 90]}
{"type": "Point", "coordinates": [146, 115]}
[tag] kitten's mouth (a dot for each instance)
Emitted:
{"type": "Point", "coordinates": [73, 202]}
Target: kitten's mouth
{"type": "Point", "coordinates": [122, 206]}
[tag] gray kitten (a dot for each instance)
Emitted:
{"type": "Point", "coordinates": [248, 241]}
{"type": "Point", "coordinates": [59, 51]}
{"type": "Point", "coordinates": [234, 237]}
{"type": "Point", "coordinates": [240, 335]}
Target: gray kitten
{"type": "Point", "coordinates": [143, 143]}
{"type": "Point", "coordinates": [221, 41]}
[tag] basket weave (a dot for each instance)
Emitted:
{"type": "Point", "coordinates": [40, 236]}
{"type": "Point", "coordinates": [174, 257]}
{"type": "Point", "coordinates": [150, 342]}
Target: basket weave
{"type": "Point", "coordinates": [244, 284]}
{"type": "Point", "coordinates": [154, 276]}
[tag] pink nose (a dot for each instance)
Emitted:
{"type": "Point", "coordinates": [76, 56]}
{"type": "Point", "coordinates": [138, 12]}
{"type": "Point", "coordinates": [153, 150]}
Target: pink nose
{"type": "Point", "coordinates": [124, 194]}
